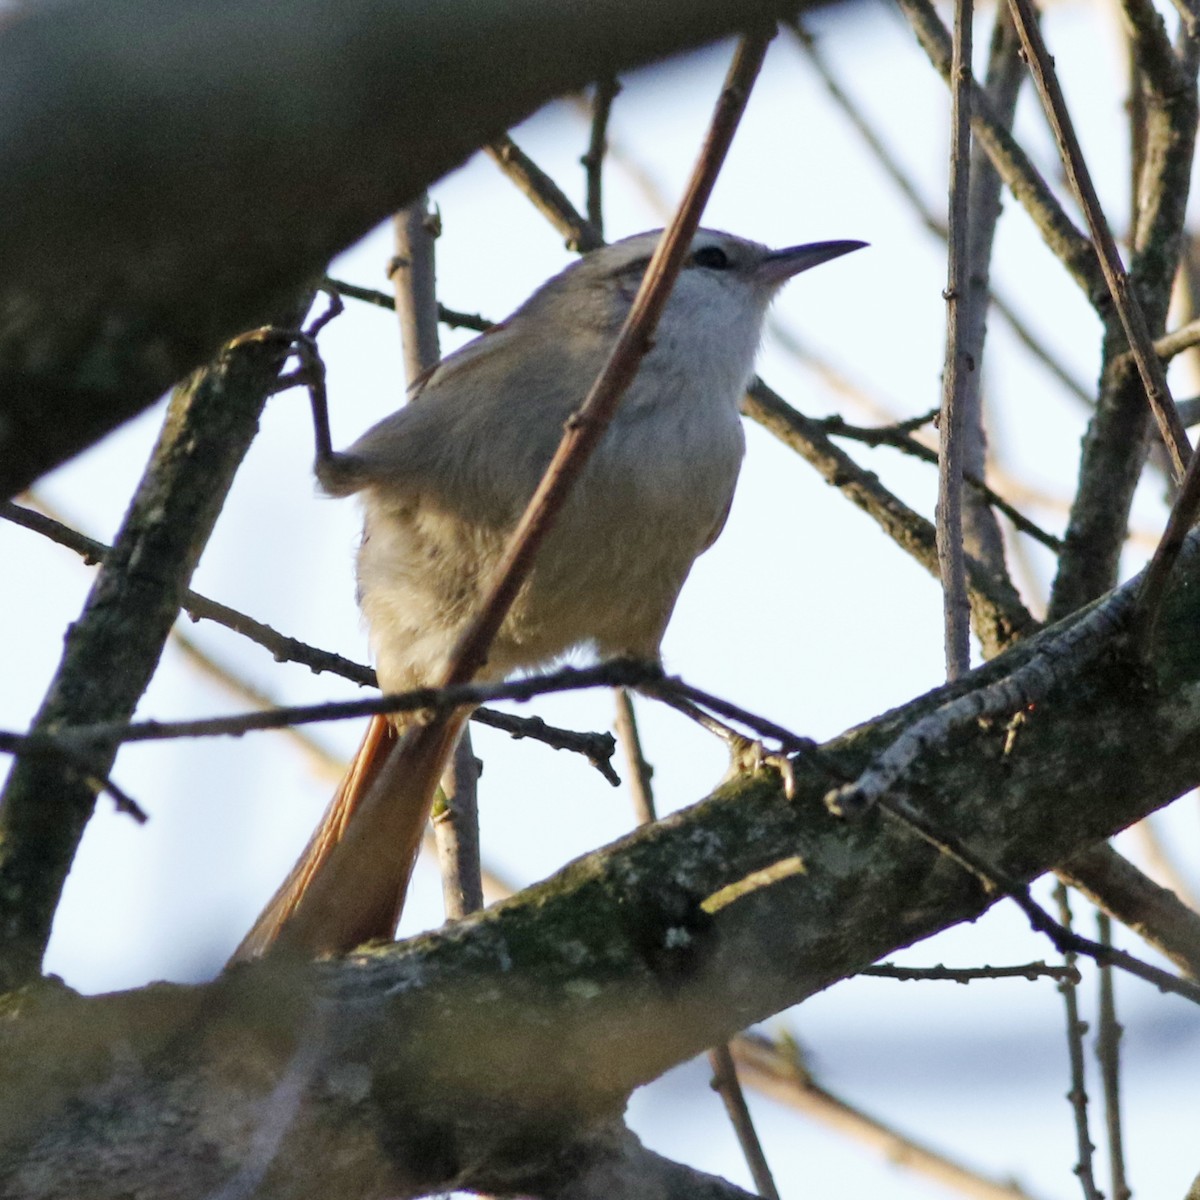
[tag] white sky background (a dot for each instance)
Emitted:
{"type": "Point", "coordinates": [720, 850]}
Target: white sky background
{"type": "Point", "coordinates": [803, 611]}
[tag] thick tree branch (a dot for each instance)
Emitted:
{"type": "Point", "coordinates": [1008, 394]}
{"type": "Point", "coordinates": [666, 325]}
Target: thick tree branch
{"type": "Point", "coordinates": [161, 191]}
{"type": "Point", "coordinates": [516, 1031]}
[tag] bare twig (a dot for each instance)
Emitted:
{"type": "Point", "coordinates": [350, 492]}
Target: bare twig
{"type": "Point", "coordinates": [775, 1071]}
{"type": "Point", "coordinates": [546, 196]}
{"type": "Point", "coordinates": [668, 688]}
{"type": "Point", "coordinates": [603, 95]}
{"type": "Point", "coordinates": [997, 612]}
{"type": "Point", "coordinates": [456, 809]}
{"type": "Point", "coordinates": [588, 425]}
{"type": "Point", "coordinates": [113, 648]}
{"type": "Point", "coordinates": [996, 882]}
{"type": "Point", "coordinates": [1078, 1093]}
{"type": "Point", "coordinates": [447, 316]}
{"type": "Point", "coordinates": [615, 673]}
{"type": "Point", "coordinates": [1058, 231]}
{"type": "Point", "coordinates": [1057, 654]}
{"type": "Point", "coordinates": [597, 748]}
{"type": "Point", "coordinates": [956, 612]}
{"type": "Point", "coordinates": [1030, 971]}
{"type": "Point", "coordinates": [78, 765]}
{"type": "Point", "coordinates": [1128, 307]}
{"type": "Point", "coordinates": [898, 437]}
{"type": "Point", "coordinates": [1154, 913]}
{"type": "Point", "coordinates": [414, 283]}
{"type": "Point", "coordinates": [1108, 1040]}
{"type": "Point", "coordinates": [982, 535]}
{"type": "Point", "coordinates": [640, 771]}
{"type": "Point", "coordinates": [1162, 865]}
{"type": "Point", "coordinates": [725, 1083]}
{"type": "Point", "coordinates": [891, 167]}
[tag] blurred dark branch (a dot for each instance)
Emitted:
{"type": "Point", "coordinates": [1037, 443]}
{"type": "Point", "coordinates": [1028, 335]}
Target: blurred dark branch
{"type": "Point", "coordinates": [162, 192]}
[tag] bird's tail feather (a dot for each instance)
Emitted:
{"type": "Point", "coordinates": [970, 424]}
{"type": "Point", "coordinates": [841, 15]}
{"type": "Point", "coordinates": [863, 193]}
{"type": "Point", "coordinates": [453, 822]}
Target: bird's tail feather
{"type": "Point", "coordinates": [348, 885]}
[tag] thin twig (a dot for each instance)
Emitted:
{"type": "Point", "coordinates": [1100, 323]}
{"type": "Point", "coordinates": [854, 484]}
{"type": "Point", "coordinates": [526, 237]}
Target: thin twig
{"type": "Point", "coordinates": [775, 1071]}
{"type": "Point", "coordinates": [547, 197]}
{"type": "Point", "coordinates": [597, 748]}
{"type": "Point", "coordinates": [898, 438]}
{"type": "Point", "coordinates": [668, 687]}
{"type": "Point", "coordinates": [1108, 1041]}
{"type": "Point", "coordinates": [615, 673]}
{"type": "Point", "coordinates": [1030, 971]}
{"type": "Point", "coordinates": [1128, 307]}
{"type": "Point", "coordinates": [603, 95]}
{"type": "Point", "coordinates": [997, 883]}
{"type": "Point", "coordinates": [587, 426]}
{"type": "Point", "coordinates": [1154, 913]}
{"type": "Point", "coordinates": [1058, 231]}
{"type": "Point", "coordinates": [455, 812]}
{"type": "Point", "coordinates": [1054, 657]}
{"type": "Point", "coordinates": [1078, 1093]}
{"type": "Point", "coordinates": [956, 611]}
{"type": "Point", "coordinates": [414, 283]}
{"type": "Point", "coordinates": [79, 765]}
{"type": "Point", "coordinates": [447, 316]}
{"type": "Point", "coordinates": [891, 167]}
{"type": "Point", "coordinates": [983, 537]}
{"type": "Point", "coordinates": [725, 1083]}
{"type": "Point", "coordinates": [640, 771]}
{"type": "Point", "coordinates": [998, 614]}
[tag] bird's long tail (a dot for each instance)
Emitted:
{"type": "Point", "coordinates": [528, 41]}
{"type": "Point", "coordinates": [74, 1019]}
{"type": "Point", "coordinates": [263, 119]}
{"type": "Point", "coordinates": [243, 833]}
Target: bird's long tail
{"type": "Point", "coordinates": [348, 885]}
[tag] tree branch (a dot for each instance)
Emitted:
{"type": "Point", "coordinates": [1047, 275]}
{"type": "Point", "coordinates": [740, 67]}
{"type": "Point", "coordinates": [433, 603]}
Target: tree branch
{"type": "Point", "coordinates": [514, 1032]}
{"type": "Point", "coordinates": [232, 186]}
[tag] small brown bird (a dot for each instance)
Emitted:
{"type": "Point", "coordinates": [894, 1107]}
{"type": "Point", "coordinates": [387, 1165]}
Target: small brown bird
{"type": "Point", "coordinates": [446, 478]}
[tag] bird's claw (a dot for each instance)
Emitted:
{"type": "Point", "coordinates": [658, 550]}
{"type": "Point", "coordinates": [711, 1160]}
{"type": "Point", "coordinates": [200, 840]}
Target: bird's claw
{"type": "Point", "coordinates": [748, 757]}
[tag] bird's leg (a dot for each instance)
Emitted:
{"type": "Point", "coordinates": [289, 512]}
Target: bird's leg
{"type": "Point", "coordinates": [746, 755]}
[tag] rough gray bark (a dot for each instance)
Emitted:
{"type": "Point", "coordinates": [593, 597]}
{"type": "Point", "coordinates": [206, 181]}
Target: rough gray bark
{"type": "Point", "coordinates": [480, 1054]}
{"type": "Point", "coordinates": [171, 173]}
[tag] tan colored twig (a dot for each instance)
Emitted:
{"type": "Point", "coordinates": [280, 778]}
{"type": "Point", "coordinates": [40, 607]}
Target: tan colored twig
{"type": "Point", "coordinates": [545, 195]}
{"type": "Point", "coordinates": [777, 1073]}
{"type": "Point", "coordinates": [1129, 309]}
{"type": "Point", "coordinates": [455, 813]}
{"type": "Point", "coordinates": [588, 425]}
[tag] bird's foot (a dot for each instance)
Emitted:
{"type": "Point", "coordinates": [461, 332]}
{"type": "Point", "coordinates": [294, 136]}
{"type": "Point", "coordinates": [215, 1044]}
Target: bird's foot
{"type": "Point", "coordinates": [749, 756]}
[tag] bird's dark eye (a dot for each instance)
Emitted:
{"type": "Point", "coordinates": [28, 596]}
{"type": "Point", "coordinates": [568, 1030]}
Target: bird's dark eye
{"type": "Point", "coordinates": [712, 257]}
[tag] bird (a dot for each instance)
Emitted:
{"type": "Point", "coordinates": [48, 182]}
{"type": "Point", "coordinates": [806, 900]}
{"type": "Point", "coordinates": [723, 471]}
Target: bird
{"type": "Point", "coordinates": [443, 482]}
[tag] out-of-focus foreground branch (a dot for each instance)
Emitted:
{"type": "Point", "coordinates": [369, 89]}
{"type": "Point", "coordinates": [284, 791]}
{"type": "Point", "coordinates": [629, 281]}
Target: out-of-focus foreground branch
{"type": "Point", "coordinates": [164, 188]}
